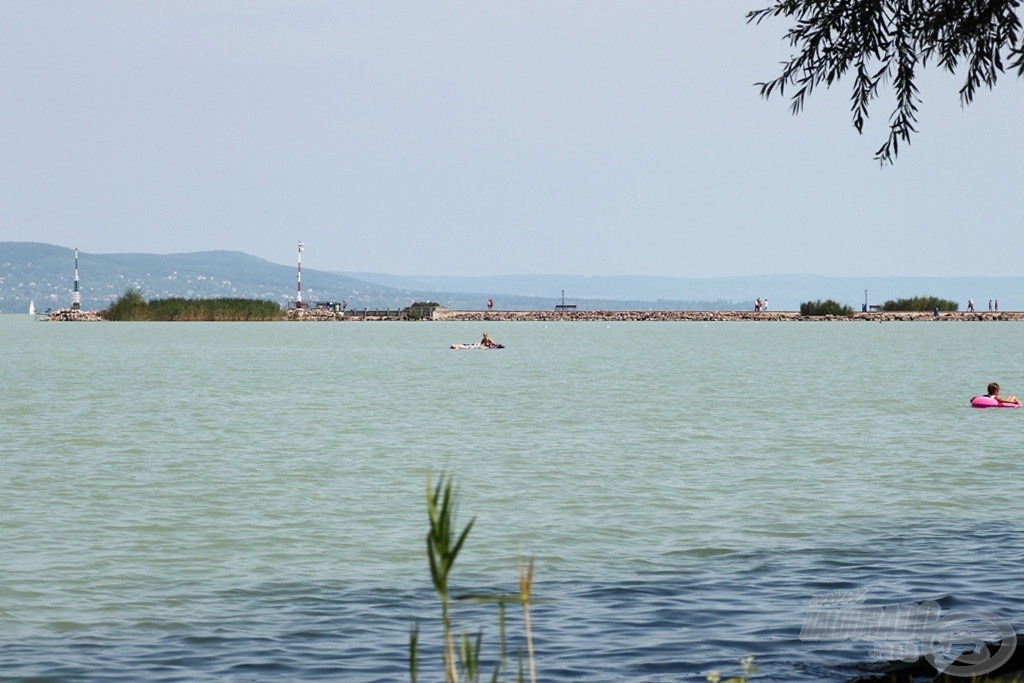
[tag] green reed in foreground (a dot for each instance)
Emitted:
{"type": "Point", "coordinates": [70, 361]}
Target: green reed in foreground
{"type": "Point", "coordinates": [442, 549]}
{"type": "Point", "coordinates": [444, 542]}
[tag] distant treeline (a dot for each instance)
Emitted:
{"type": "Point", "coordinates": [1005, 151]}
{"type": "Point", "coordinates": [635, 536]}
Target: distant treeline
{"type": "Point", "coordinates": [132, 306]}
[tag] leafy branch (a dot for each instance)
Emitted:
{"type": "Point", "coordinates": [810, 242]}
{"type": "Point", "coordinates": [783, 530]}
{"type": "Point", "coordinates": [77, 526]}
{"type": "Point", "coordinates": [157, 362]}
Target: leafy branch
{"type": "Point", "coordinates": [887, 41]}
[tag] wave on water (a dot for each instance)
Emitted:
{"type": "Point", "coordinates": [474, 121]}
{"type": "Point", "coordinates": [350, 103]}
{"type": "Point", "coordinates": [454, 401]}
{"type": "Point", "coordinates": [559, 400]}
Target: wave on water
{"type": "Point", "coordinates": [654, 626]}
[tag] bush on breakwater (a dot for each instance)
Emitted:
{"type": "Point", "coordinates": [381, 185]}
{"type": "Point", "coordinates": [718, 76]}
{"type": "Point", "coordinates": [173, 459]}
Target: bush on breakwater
{"type": "Point", "coordinates": [828, 307]}
{"type": "Point", "coordinates": [921, 303]}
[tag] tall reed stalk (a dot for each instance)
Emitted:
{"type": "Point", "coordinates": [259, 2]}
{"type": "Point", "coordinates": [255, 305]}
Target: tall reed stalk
{"type": "Point", "coordinates": [444, 541]}
{"type": "Point", "coordinates": [525, 588]}
{"type": "Point", "coordinates": [443, 547]}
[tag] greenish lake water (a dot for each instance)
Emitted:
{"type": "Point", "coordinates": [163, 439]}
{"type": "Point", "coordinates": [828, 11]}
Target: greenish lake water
{"type": "Point", "coordinates": [193, 501]}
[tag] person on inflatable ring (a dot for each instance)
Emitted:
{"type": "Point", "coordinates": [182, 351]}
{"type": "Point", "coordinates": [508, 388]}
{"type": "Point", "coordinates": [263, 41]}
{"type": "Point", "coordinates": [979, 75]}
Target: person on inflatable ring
{"type": "Point", "coordinates": [993, 392]}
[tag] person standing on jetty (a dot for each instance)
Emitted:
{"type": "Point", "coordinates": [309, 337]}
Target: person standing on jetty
{"type": "Point", "coordinates": [993, 392]}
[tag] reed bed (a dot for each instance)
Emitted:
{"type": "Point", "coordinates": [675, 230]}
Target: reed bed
{"type": "Point", "coordinates": [131, 306]}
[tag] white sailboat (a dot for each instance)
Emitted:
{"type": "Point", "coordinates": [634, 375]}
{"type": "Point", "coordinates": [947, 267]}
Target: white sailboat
{"type": "Point", "coordinates": [31, 307]}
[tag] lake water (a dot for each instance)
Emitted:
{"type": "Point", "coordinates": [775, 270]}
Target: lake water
{"type": "Point", "coordinates": [245, 502]}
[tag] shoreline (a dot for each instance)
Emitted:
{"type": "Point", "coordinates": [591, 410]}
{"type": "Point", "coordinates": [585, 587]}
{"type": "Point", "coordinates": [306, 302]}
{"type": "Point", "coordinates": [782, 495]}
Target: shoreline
{"type": "Point", "coordinates": [446, 315]}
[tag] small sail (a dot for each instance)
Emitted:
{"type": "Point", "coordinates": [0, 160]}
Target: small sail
{"type": "Point", "coordinates": [31, 307]}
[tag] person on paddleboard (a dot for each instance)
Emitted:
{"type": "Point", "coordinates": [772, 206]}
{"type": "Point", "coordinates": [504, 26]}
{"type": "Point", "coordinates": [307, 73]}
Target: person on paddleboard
{"type": "Point", "coordinates": [487, 341]}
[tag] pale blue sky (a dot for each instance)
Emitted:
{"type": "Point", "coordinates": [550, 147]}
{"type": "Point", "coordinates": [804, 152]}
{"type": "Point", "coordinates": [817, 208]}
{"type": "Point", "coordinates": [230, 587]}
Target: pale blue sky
{"type": "Point", "coordinates": [475, 138]}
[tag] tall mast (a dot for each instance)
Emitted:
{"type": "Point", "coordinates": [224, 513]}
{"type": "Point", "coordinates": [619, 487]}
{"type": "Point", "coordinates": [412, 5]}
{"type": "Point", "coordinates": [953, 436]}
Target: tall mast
{"type": "Point", "coordinates": [298, 282]}
{"type": "Point", "coordinates": [76, 297]}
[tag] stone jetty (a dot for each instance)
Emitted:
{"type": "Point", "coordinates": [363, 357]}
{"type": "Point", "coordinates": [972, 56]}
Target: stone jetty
{"type": "Point", "coordinates": [70, 315]}
{"type": "Point", "coordinates": [716, 316]}
{"type": "Point", "coordinates": [441, 314]}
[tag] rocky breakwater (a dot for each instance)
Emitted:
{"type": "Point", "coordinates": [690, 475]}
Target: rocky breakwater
{"type": "Point", "coordinates": [312, 314]}
{"type": "Point", "coordinates": [315, 314]}
{"type": "Point", "coordinates": [707, 316]}
{"type": "Point", "coordinates": [72, 315]}
{"type": "Point", "coordinates": [608, 316]}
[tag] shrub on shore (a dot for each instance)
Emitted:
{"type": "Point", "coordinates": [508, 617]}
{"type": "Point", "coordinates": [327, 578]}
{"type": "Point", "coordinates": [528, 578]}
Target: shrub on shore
{"type": "Point", "coordinates": [921, 303]}
{"type": "Point", "coordinates": [132, 307]}
{"type": "Point", "coordinates": [828, 307]}
{"type": "Point", "coordinates": [129, 306]}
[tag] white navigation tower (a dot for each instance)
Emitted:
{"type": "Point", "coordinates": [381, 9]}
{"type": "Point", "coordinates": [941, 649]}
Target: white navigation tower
{"type": "Point", "coordinates": [298, 282]}
{"type": "Point", "coordinates": [76, 296]}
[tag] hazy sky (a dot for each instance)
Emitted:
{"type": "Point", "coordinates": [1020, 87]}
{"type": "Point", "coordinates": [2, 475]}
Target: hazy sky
{"type": "Point", "coordinates": [473, 138]}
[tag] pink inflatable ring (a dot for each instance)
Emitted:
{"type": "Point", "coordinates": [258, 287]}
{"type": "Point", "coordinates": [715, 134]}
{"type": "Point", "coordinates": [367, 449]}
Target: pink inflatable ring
{"type": "Point", "coordinates": [989, 402]}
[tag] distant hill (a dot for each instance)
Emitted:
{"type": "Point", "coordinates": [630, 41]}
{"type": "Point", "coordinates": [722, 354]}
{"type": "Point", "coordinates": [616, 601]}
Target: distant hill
{"type": "Point", "coordinates": [44, 274]}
